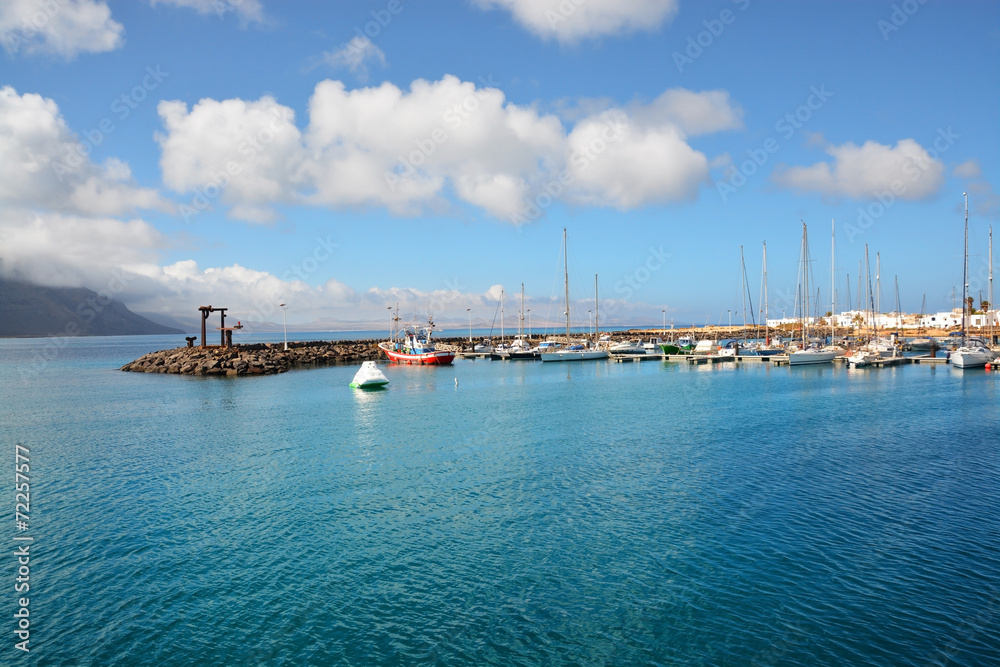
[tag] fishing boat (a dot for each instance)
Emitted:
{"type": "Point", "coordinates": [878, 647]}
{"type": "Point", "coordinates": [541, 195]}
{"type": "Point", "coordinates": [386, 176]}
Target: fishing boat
{"type": "Point", "coordinates": [807, 356]}
{"type": "Point", "coordinates": [973, 353]}
{"type": "Point", "coordinates": [411, 348]}
{"type": "Point", "coordinates": [369, 377]}
{"type": "Point", "coordinates": [575, 352]}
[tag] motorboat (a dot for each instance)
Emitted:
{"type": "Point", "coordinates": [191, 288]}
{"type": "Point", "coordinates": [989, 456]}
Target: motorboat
{"type": "Point", "coordinates": [369, 376]}
{"type": "Point", "coordinates": [629, 349]}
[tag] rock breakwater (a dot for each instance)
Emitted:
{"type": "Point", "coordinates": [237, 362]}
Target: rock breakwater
{"type": "Point", "coordinates": [254, 359]}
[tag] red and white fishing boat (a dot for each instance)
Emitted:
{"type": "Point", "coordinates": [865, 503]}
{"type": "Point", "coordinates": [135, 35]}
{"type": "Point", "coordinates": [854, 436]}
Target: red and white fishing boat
{"type": "Point", "coordinates": [411, 348]}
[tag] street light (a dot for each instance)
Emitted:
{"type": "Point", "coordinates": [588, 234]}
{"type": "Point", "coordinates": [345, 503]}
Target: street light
{"type": "Point", "coordinates": [590, 323]}
{"type": "Point", "coordinates": [664, 331]}
{"type": "Point", "coordinates": [391, 328]}
{"type": "Point", "coordinates": [529, 324]}
{"type": "Point", "coordinates": [469, 311]}
{"type": "Point", "coordinates": [284, 325]}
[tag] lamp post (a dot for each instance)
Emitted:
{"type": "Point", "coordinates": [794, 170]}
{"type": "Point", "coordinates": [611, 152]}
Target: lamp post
{"type": "Point", "coordinates": [664, 330]}
{"type": "Point", "coordinates": [529, 324]}
{"type": "Point", "coordinates": [590, 322]}
{"type": "Point", "coordinates": [469, 311]}
{"type": "Point", "coordinates": [284, 324]}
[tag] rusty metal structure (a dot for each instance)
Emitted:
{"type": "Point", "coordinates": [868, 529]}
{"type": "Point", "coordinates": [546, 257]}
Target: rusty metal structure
{"type": "Point", "coordinates": [205, 312]}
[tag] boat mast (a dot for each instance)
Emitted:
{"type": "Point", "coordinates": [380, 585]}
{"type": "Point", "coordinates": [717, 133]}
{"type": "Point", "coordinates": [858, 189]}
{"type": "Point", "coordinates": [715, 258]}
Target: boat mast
{"type": "Point", "coordinates": [767, 332]}
{"type": "Point", "coordinates": [520, 322]}
{"type": "Point", "coordinates": [833, 288]}
{"type": "Point", "coordinates": [965, 264]}
{"type": "Point", "coordinates": [597, 315]}
{"type": "Point", "coordinates": [501, 317]}
{"type": "Point", "coordinates": [899, 314]}
{"type": "Point", "coordinates": [989, 311]}
{"type": "Point", "coordinates": [743, 287]}
{"type": "Point", "coordinates": [566, 270]}
{"type": "Point", "coordinates": [805, 284]}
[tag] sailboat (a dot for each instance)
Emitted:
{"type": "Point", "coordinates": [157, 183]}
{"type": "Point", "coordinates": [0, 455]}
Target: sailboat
{"type": "Point", "coordinates": [520, 348]}
{"type": "Point", "coordinates": [807, 355]}
{"type": "Point", "coordinates": [574, 352]}
{"type": "Point", "coordinates": [973, 353]}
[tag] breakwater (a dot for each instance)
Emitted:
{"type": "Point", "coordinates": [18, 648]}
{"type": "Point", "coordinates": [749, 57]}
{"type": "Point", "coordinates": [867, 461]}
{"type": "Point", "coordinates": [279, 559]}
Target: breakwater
{"type": "Point", "coordinates": [253, 359]}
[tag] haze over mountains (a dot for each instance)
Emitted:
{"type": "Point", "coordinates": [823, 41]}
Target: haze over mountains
{"type": "Point", "coordinates": [33, 310]}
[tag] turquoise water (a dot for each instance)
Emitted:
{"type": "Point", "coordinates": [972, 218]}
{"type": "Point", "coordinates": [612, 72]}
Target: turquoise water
{"type": "Point", "coordinates": [593, 513]}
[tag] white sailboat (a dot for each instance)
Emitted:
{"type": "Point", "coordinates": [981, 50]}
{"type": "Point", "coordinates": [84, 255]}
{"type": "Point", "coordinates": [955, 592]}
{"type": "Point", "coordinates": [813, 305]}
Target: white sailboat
{"type": "Point", "coordinates": [973, 353]}
{"type": "Point", "coordinates": [807, 355]}
{"type": "Point", "coordinates": [574, 352]}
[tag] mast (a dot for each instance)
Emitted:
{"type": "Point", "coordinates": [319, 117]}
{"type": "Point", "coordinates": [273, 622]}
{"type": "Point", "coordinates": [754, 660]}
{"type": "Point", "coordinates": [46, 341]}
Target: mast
{"type": "Point", "coordinates": [899, 314]}
{"type": "Point", "coordinates": [965, 264]}
{"type": "Point", "coordinates": [520, 321]}
{"type": "Point", "coordinates": [566, 274]}
{"type": "Point", "coordinates": [833, 289]}
{"type": "Point", "coordinates": [501, 317]}
{"type": "Point", "coordinates": [805, 284]}
{"type": "Point", "coordinates": [597, 315]}
{"type": "Point", "coordinates": [767, 332]}
{"type": "Point", "coordinates": [989, 311]}
{"type": "Point", "coordinates": [878, 291]}
{"type": "Point", "coordinates": [743, 286]}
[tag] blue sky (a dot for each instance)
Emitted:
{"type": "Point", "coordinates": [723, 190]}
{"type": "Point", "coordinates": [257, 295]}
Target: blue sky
{"type": "Point", "coordinates": [403, 166]}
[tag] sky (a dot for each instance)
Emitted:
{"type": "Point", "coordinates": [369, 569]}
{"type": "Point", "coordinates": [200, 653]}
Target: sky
{"type": "Point", "coordinates": [345, 156]}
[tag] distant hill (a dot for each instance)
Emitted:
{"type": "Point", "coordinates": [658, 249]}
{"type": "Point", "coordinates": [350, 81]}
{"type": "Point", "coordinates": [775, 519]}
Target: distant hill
{"type": "Point", "coordinates": [32, 310]}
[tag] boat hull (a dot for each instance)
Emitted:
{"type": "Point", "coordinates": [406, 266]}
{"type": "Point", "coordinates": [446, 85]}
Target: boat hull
{"type": "Point", "coordinates": [436, 358]}
{"type": "Point", "coordinates": [974, 358]}
{"type": "Point", "coordinates": [574, 355]}
{"type": "Point", "coordinates": [810, 357]}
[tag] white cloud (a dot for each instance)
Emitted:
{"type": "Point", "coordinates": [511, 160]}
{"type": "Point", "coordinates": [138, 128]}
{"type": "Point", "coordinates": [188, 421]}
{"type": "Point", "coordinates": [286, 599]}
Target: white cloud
{"type": "Point", "coordinates": [638, 164]}
{"type": "Point", "coordinates": [439, 142]}
{"type": "Point", "coordinates": [573, 20]}
{"type": "Point", "coordinates": [693, 112]}
{"type": "Point", "coordinates": [73, 250]}
{"type": "Point", "coordinates": [248, 11]}
{"type": "Point", "coordinates": [247, 154]}
{"type": "Point", "coordinates": [61, 27]}
{"type": "Point", "coordinates": [862, 172]}
{"type": "Point", "coordinates": [355, 56]}
{"type": "Point", "coordinates": [44, 165]}
{"type": "Point", "coordinates": [968, 169]}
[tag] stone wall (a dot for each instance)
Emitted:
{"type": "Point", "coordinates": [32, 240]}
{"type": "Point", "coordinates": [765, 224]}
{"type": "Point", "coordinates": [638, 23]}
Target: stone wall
{"type": "Point", "coordinates": [254, 359]}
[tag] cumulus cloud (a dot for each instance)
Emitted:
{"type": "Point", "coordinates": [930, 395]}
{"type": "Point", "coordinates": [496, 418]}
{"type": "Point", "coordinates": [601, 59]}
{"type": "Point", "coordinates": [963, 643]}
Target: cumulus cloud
{"type": "Point", "coordinates": [45, 165]}
{"type": "Point", "coordinates": [65, 28]}
{"type": "Point", "coordinates": [968, 169]}
{"type": "Point", "coordinates": [247, 154]}
{"type": "Point", "coordinates": [573, 20]}
{"type": "Point", "coordinates": [435, 144]}
{"type": "Point", "coordinates": [861, 172]}
{"type": "Point", "coordinates": [355, 56]}
{"type": "Point", "coordinates": [248, 11]}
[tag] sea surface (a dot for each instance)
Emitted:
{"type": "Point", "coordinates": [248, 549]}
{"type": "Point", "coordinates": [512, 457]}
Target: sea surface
{"type": "Point", "coordinates": [501, 513]}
